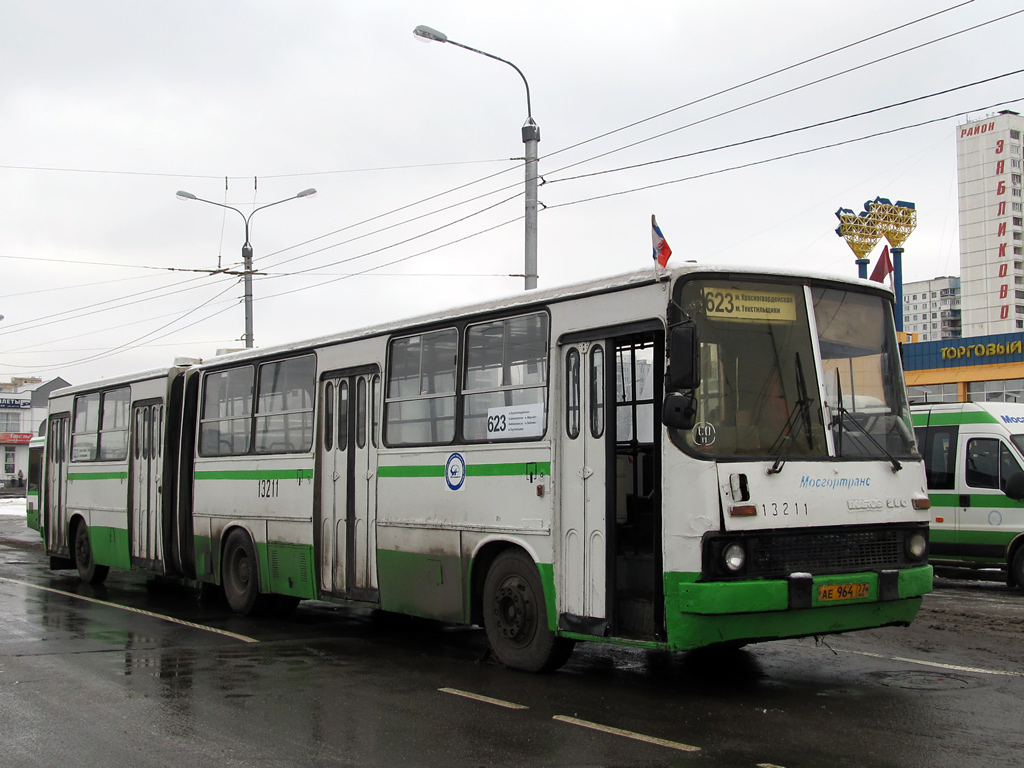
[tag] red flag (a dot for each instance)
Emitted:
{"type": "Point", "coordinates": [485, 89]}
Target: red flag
{"type": "Point", "coordinates": [883, 267]}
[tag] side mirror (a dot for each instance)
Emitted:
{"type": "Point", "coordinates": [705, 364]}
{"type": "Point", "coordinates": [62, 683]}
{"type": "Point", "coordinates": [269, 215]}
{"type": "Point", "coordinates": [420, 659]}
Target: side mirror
{"type": "Point", "coordinates": [1015, 486]}
{"type": "Point", "coordinates": [679, 411]}
{"type": "Point", "coordinates": [684, 358]}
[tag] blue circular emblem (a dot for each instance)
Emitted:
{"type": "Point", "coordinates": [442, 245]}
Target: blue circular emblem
{"type": "Point", "coordinates": [455, 471]}
{"type": "Point", "coordinates": [995, 517]}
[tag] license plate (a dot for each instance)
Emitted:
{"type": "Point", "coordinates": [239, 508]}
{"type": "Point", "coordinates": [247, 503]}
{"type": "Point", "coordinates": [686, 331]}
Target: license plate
{"type": "Point", "coordinates": [828, 593]}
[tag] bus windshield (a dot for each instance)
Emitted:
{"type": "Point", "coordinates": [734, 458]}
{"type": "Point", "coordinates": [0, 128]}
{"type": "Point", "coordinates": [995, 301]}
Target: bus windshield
{"type": "Point", "coordinates": [868, 408]}
{"type": "Point", "coordinates": [760, 391]}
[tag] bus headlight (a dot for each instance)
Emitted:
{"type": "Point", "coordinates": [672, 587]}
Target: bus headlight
{"type": "Point", "coordinates": [734, 556]}
{"type": "Point", "coordinates": [917, 545]}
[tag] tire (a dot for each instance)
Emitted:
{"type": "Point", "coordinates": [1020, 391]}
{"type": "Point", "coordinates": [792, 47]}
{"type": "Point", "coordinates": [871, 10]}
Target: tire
{"type": "Point", "coordinates": [516, 618]}
{"type": "Point", "coordinates": [1017, 568]}
{"type": "Point", "coordinates": [240, 575]}
{"type": "Point", "coordinates": [88, 570]}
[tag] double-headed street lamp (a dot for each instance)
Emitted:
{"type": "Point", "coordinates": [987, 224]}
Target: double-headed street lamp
{"type": "Point", "coordinates": [531, 138]}
{"type": "Point", "coordinates": [246, 249]}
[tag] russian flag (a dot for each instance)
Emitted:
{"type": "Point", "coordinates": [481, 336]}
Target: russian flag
{"type": "Point", "coordinates": [661, 248]}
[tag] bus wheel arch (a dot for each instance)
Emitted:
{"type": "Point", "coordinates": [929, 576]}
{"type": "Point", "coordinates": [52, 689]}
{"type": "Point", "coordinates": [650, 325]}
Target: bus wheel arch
{"type": "Point", "coordinates": [514, 613]}
{"type": "Point", "coordinates": [82, 553]}
{"type": "Point", "coordinates": [240, 573]}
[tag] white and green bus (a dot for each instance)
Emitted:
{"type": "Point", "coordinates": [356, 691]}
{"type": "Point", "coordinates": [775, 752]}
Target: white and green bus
{"type": "Point", "coordinates": [704, 457]}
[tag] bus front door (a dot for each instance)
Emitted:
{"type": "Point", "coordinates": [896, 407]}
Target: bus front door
{"type": "Point", "coordinates": [584, 561]}
{"type": "Point", "coordinates": [346, 539]}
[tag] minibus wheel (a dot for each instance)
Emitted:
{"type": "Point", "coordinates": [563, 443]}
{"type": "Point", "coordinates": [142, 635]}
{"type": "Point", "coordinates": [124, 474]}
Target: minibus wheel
{"type": "Point", "coordinates": [1017, 568]}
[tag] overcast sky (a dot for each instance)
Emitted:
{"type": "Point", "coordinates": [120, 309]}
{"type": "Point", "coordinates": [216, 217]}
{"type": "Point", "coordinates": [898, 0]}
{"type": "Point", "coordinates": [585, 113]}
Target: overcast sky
{"type": "Point", "coordinates": [108, 107]}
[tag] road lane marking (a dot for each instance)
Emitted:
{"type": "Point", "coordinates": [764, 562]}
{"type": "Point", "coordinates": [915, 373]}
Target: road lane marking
{"type": "Point", "coordinates": [627, 734]}
{"type": "Point", "coordinates": [940, 665]}
{"type": "Point", "coordinates": [484, 699]}
{"type": "Point", "coordinates": [161, 616]}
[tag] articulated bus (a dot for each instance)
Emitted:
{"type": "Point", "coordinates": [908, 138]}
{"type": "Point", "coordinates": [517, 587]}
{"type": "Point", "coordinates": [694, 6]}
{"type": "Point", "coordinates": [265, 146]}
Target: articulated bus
{"type": "Point", "coordinates": [702, 457]}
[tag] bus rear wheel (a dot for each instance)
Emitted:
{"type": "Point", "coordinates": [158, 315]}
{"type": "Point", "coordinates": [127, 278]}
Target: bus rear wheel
{"type": "Point", "coordinates": [240, 575]}
{"type": "Point", "coordinates": [516, 618]}
{"type": "Point", "coordinates": [88, 570]}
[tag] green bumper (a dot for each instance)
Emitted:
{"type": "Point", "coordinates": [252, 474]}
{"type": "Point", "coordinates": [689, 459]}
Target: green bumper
{"type": "Point", "coordinates": [704, 613]}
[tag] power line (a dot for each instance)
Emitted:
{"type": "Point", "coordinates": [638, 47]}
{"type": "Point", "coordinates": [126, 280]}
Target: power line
{"type": "Point", "coordinates": [777, 157]}
{"type": "Point", "coordinates": [788, 132]}
{"type": "Point", "coordinates": [633, 144]}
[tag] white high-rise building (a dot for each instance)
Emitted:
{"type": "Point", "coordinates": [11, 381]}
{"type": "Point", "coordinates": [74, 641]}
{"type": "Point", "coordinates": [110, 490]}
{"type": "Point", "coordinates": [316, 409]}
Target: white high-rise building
{"type": "Point", "coordinates": [989, 173]}
{"type": "Point", "coordinates": [931, 308]}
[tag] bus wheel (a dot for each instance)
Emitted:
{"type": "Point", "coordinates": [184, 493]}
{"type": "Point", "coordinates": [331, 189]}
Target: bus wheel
{"type": "Point", "coordinates": [516, 619]}
{"type": "Point", "coordinates": [1017, 568]}
{"type": "Point", "coordinates": [240, 575]}
{"type": "Point", "coordinates": [88, 570]}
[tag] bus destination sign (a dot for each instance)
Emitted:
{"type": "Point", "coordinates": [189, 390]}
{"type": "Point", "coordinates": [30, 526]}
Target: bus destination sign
{"type": "Point", "coordinates": [750, 306]}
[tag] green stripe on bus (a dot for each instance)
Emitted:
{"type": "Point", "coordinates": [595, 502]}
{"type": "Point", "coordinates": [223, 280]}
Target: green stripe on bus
{"type": "Point", "coordinates": [97, 475]}
{"type": "Point", "coordinates": [255, 474]}
{"type": "Point", "coordinates": [932, 419]}
{"type": "Point", "coordinates": [472, 470]}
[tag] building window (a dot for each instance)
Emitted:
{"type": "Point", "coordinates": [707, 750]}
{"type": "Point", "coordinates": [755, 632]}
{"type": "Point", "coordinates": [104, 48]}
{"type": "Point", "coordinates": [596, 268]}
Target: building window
{"type": "Point", "coordinates": [1015, 178]}
{"type": "Point", "coordinates": [1015, 191]}
{"type": "Point", "coordinates": [1015, 135]}
{"type": "Point", "coordinates": [1018, 251]}
{"type": "Point", "coordinates": [1018, 221]}
{"type": "Point", "coordinates": [1018, 207]}
{"type": "Point", "coordinates": [1016, 235]}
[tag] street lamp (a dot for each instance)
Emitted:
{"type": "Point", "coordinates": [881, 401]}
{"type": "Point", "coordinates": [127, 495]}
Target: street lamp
{"type": "Point", "coordinates": [246, 249]}
{"type": "Point", "coordinates": [531, 138]}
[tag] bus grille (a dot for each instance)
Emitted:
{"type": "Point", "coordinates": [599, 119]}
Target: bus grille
{"type": "Point", "coordinates": [777, 554]}
{"type": "Point", "coordinates": [834, 552]}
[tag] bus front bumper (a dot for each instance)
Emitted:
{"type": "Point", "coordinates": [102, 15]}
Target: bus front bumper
{"type": "Point", "coordinates": [707, 613]}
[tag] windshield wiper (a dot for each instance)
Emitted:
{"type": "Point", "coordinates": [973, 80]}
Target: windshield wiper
{"type": "Point", "coordinates": [803, 409]}
{"type": "Point", "coordinates": [843, 417]}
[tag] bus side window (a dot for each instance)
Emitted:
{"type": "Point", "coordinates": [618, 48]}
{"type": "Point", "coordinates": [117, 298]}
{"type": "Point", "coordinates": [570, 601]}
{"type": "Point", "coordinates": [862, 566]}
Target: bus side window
{"type": "Point", "coordinates": [938, 446]}
{"type": "Point", "coordinates": [983, 463]}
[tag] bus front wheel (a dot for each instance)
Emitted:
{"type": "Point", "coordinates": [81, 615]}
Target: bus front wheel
{"type": "Point", "coordinates": [88, 570]}
{"type": "Point", "coordinates": [240, 574]}
{"type": "Point", "coordinates": [516, 619]}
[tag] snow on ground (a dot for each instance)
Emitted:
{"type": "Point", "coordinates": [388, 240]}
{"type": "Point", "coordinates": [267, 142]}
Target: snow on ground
{"type": "Point", "coordinates": [12, 507]}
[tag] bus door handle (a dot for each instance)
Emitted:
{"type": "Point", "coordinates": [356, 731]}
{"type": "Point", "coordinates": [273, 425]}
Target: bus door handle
{"type": "Point", "coordinates": [965, 500]}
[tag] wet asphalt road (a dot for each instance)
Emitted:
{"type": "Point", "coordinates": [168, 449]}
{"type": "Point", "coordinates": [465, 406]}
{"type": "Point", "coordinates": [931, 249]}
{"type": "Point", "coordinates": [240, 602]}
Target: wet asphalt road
{"type": "Point", "coordinates": [138, 673]}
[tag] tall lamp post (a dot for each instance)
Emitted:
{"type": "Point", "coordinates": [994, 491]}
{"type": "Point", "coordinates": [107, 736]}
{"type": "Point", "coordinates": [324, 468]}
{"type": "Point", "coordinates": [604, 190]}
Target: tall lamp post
{"type": "Point", "coordinates": [246, 248]}
{"type": "Point", "coordinates": [531, 138]}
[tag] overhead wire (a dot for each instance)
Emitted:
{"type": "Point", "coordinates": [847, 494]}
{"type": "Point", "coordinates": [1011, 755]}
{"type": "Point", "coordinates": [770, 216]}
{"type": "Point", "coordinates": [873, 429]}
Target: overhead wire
{"type": "Point", "coordinates": [704, 120]}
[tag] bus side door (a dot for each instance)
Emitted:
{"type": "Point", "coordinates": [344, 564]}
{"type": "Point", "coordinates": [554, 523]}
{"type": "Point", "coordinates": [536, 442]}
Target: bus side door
{"type": "Point", "coordinates": [584, 484]}
{"type": "Point", "coordinates": [349, 434]}
{"type": "Point", "coordinates": [58, 441]}
{"type": "Point", "coordinates": [146, 490]}
{"type": "Point", "coordinates": [939, 448]}
{"type": "Point", "coordinates": [988, 520]}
